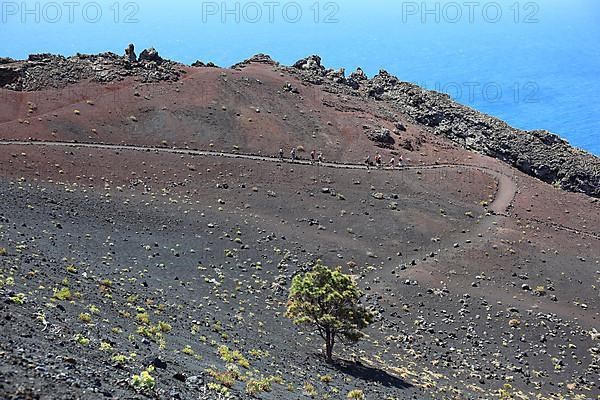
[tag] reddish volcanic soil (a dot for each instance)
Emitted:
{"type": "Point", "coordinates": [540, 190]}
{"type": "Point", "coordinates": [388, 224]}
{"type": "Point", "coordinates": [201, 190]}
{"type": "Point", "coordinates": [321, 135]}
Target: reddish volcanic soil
{"type": "Point", "coordinates": [480, 275]}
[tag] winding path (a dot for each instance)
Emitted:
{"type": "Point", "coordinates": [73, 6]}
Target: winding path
{"type": "Point", "coordinates": [507, 187]}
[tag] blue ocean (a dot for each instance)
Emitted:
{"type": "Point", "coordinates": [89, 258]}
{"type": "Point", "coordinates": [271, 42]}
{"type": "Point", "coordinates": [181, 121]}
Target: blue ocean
{"type": "Point", "coordinates": [535, 64]}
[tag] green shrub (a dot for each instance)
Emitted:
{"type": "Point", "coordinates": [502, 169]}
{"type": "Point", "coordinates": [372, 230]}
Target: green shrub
{"type": "Point", "coordinates": [505, 392]}
{"type": "Point", "coordinates": [226, 378]}
{"type": "Point", "coordinates": [105, 346]}
{"type": "Point", "coordinates": [119, 359]}
{"type": "Point", "coordinates": [356, 394]}
{"type": "Point", "coordinates": [217, 388]}
{"type": "Point", "coordinates": [18, 298]}
{"type": "Point", "coordinates": [309, 389]}
{"type": "Point", "coordinates": [144, 381]}
{"type": "Point", "coordinates": [230, 356]}
{"type": "Point", "coordinates": [254, 386]}
{"type": "Point", "coordinates": [143, 318]}
{"type": "Point", "coordinates": [164, 327]}
{"type": "Point", "coordinates": [85, 318]}
{"type": "Point", "coordinates": [82, 340]}
{"type": "Point", "coordinates": [71, 269]}
{"type": "Point", "coordinates": [188, 350]}
{"type": "Point", "coordinates": [62, 294]}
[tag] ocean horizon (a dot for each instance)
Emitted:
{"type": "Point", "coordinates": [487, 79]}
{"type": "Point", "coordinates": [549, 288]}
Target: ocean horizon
{"type": "Point", "coordinates": [532, 64]}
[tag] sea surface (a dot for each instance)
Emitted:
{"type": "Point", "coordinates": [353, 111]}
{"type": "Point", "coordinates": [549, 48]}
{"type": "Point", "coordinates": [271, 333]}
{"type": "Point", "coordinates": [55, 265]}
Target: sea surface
{"type": "Point", "coordinates": [534, 64]}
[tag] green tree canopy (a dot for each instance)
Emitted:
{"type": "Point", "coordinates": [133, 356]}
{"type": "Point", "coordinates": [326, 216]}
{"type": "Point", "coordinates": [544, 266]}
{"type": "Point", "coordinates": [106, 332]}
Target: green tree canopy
{"type": "Point", "coordinates": [328, 300]}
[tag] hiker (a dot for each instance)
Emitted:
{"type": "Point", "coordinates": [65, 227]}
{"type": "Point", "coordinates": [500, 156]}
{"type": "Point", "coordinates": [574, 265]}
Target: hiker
{"type": "Point", "coordinates": [392, 162]}
{"type": "Point", "coordinates": [313, 154]}
{"type": "Point", "coordinates": [293, 154]}
{"type": "Point", "coordinates": [281, 153]}
{"type": "Point", "coordinates": [368, 161]}
{"type": "Point", "coordinates": [320, 157]}
{"type": "Point", "coordinates": [378, 160]}
{"type": "Point", "coordinates": [400, 160]}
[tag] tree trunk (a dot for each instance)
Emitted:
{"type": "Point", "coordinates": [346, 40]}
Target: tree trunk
{"type": "Point", "coordinates": [329, 340]}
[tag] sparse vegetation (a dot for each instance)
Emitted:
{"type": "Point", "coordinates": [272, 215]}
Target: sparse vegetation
{"type": "Point", "coordinates": [256, 386]}
{"type": "Point", "coordinates": [230, 356]}
{"type": "Point", "coordinates": [224, 378]}
{"type": "Point", "coordinates": [134, 249]}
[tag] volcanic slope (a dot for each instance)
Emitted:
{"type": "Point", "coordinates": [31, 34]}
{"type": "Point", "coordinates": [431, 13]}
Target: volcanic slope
{"type": "Point", "coordinates": [155, 226]}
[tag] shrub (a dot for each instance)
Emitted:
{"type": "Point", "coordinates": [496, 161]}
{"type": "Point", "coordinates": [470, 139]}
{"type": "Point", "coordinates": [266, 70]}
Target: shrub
{"type": "Point", "coordinates": [71, 269]}
{"type": "Point", "coordinates": [310, 390]}
{"type": "Point", "coordinates": [188, 350]}
{"type": "Point", "coordinates": [225, 354]}
{"type": "Point", "coordinates": [258, 354]}
{"type": "Point", "coordinates": [233, 356]}
{"type": "Point", "coordinates": [82, 340]}
{"type": "Point", "coordinates": [219, 389]}
{"type": "Point", "coordinates": [254, 386]}
{"type": "Point", "coordinates": [164, 327]}
{"type": "Point", "coordinates": [505, 392]}
{"type": "Point", "coordinates": [3, 251]}
{"type": "Point", "coordinates": [143, 318]}
{"type": "Point", "coordinates": [144, 381]}
{"type": "Point", "coordinates": [119, 359]}
{"type": "Point", "coordinates": [18, 298]}
{"type": "Point", "coordinates": [356, 394]}
{"type": "Point", "coordinates": [105, 285]}
{"type": "Point", "coordinates": [226, 378]}
{"type": "Point", "coordinates": [85, 318]}
{"type": "Point", "coordinates": [326, 379]}
{"type": "Point", "coordinates": [105, 346]}
{"type": "Point", "coordinates": [62, 294]}
{"type": "Point", "coordinates": [241, 360]}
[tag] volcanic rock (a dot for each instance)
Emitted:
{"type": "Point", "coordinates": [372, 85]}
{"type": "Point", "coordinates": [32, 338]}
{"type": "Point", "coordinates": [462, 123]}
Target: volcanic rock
{"type": "Point", "coordinates": [130, 53]}
{"type": "Point", "coordinates": [150, 55]}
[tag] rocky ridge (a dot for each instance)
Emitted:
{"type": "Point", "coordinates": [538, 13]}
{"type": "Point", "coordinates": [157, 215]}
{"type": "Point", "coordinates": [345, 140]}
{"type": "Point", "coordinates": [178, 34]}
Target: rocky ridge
{"type": "Point", "coordinates": [44, 71]}
{"type": "Point", "coordinates": [538, 153]}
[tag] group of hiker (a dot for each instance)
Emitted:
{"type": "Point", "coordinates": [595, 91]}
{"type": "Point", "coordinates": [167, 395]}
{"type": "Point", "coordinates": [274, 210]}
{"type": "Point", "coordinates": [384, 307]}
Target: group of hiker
{"type": "Point", "coordinates": [318, 157]}
{"type": "Point", "coordinates": [379, 161]}
{"type": "Point", "coordinates": [315, 157]}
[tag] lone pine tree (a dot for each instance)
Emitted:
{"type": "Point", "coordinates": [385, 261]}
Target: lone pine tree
{"type": "Point", "coordinates": [328, 300]}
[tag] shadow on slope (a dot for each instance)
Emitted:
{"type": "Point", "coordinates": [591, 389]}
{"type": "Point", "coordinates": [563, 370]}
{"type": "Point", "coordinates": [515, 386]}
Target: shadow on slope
{"type": "Point", "coordinates": [371, 374]}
